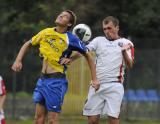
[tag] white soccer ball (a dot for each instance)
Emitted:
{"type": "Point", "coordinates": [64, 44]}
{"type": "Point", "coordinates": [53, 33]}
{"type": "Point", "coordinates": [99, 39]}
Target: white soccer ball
{"type": "Point", "coordinates": [83, 32]}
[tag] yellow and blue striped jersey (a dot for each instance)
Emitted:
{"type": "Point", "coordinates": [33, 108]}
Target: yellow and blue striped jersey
{"type": "Point", "coordinates": [53, 46]}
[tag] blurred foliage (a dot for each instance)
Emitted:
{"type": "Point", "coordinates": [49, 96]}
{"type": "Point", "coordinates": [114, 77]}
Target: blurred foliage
{"type": "Point", "coordinates": [21, 19]}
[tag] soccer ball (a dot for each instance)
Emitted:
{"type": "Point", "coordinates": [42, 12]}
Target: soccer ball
{"type": "Point", "coordinates": [83, 32]}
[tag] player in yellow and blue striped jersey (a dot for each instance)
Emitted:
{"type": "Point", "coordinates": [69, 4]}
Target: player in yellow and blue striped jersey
{"type": "Point", "coordinates": [54, 44]}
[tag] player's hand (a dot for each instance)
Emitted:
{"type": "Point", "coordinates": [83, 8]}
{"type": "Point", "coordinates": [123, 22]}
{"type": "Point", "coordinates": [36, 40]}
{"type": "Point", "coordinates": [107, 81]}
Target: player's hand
{"type": "Point", "coordinates": [95, 84]}
{"type": "Point", "coordinates": [65, 61]}
{"type": "Point", "coordinates": [17, 66]}
{"type": "Point", "coordinates": [126, 47]}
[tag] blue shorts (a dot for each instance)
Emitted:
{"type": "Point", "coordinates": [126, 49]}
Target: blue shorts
{"type": "Point", "coordinates": [50, 92]}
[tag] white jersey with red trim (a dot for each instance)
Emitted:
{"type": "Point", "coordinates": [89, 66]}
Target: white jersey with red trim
{"type": "Point", "coordinates": [2, 87]}
{"type": "Point", "coordinates": [109, 59]}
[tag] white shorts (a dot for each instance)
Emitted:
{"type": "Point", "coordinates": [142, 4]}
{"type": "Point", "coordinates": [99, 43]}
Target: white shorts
{"type": "Point", "coordinates": [106, 101]}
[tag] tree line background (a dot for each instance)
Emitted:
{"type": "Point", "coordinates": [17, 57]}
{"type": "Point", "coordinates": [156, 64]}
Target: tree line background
{"type": "Point", "coordinates": [21, 19]}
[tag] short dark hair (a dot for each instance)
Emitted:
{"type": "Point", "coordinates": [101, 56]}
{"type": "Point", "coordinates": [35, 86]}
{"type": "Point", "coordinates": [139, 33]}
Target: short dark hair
{"type": "Point", "coordinates": [72, 19]}
{"type": "Point", "coordinates": [112, 19]}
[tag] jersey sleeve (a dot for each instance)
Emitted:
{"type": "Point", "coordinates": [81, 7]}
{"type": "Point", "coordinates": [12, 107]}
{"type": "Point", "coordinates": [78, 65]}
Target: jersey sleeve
{"type": "Point", "coordinates": [67, 53]}
{"type": "Point", "coordinates": [37, 38]}
{"type": "Point", "coordinates": [75, 44]}
{"type": "Point", "coordinates": [92, 46]}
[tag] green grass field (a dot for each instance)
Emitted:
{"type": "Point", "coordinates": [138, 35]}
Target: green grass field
{"type": "Point", "coordinates": [84, 121]}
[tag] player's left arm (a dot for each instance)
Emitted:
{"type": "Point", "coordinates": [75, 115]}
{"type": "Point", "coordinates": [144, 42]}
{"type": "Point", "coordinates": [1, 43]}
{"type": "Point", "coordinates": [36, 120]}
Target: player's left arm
{"type": "Point", "coordinates": [128, 55]}
{"type": "Point", "coordinates": [77, 45]}
{"type": "Point", "coordinates": [92, 66]}
{"type": "Point", "coordinates": [95, 83]}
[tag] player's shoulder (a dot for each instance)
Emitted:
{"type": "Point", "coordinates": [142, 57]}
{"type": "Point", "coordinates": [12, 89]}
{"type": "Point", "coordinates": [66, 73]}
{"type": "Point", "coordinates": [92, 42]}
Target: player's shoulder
{"type": "Point", "coordinates": [72, 37]}
{"type": "Point", "coordinates": [70, 34]}
{"type": "Point", "coordinates": [100, 38]}
{"type": "Point", "coordinates": [47, 30]}
{"type": "Point", "coordinates": [126, 41]}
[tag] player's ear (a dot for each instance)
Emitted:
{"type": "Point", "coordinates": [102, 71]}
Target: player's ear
{"type": "Point", "coordinates": [117, 28]}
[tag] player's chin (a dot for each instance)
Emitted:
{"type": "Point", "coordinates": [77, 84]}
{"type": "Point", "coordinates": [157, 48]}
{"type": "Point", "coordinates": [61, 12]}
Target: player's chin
{"type": "Point", "coordinates": [57, 22]}
{"type": "Point", "coordinates": [109, 38]}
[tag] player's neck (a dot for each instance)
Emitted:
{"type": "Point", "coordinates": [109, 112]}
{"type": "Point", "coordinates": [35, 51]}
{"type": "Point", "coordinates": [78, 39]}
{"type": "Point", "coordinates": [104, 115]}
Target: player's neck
{"type": "Point", "coordinates": [60, 29]}
{"type": "Point", "coordinates": [117, 37]}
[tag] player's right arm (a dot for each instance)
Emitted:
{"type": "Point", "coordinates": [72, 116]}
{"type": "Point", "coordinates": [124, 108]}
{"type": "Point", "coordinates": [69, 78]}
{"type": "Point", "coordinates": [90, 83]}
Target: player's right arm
{"type": "Point", "coordinates": [17, 65]}
{"type": "Point", "coordinates": [35, 40]}
{"type": "Point", "coordinates": [128, 55]}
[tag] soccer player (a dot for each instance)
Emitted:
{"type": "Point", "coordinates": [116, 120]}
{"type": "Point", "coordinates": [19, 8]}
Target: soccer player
{"type": "Point", "coordinates": [2, 100]}
{"type": "Point", "coordinates": [54, 43]}
{"type": "Point", "coordinates": [113, 55]}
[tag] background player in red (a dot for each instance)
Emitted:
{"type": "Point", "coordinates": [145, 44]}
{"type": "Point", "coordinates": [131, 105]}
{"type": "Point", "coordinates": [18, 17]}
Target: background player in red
{"type": "Point", "coordinates": [2, 100]}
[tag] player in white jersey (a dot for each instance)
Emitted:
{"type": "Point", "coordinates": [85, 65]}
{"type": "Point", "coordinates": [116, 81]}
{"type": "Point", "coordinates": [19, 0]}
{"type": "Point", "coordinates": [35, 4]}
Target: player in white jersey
{"type": "Point", "coordinates": [2, 100]}
{"type": "Point", "coordinates": [113, 55]}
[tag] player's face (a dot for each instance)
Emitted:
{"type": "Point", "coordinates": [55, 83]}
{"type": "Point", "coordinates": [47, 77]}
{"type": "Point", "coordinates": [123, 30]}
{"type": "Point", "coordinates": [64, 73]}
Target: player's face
{"type": "Point", "coordinates": [110, 30]}
{"type": "Point", "coordinates": [63, 19]}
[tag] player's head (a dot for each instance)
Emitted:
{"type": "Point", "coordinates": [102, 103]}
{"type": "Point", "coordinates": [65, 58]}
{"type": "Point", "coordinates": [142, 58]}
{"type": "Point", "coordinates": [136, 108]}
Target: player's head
{"type": "Point", "coordinates": [111, 27]}
{"type": "Point", "coordinates": [67, 19]}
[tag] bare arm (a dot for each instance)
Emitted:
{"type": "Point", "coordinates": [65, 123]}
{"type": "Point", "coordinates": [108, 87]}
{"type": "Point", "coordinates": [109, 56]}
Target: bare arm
{"type": "Point", "coordinates": [17, 65]}
{"type": "Point", "coordinates": [95, 82]}
{"type": "Point", "coordinates": [128, 61]}
{"type": "Point", "coordinates": [75, 56]}
{"type": "Point", "coordinates": [88, 58]}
